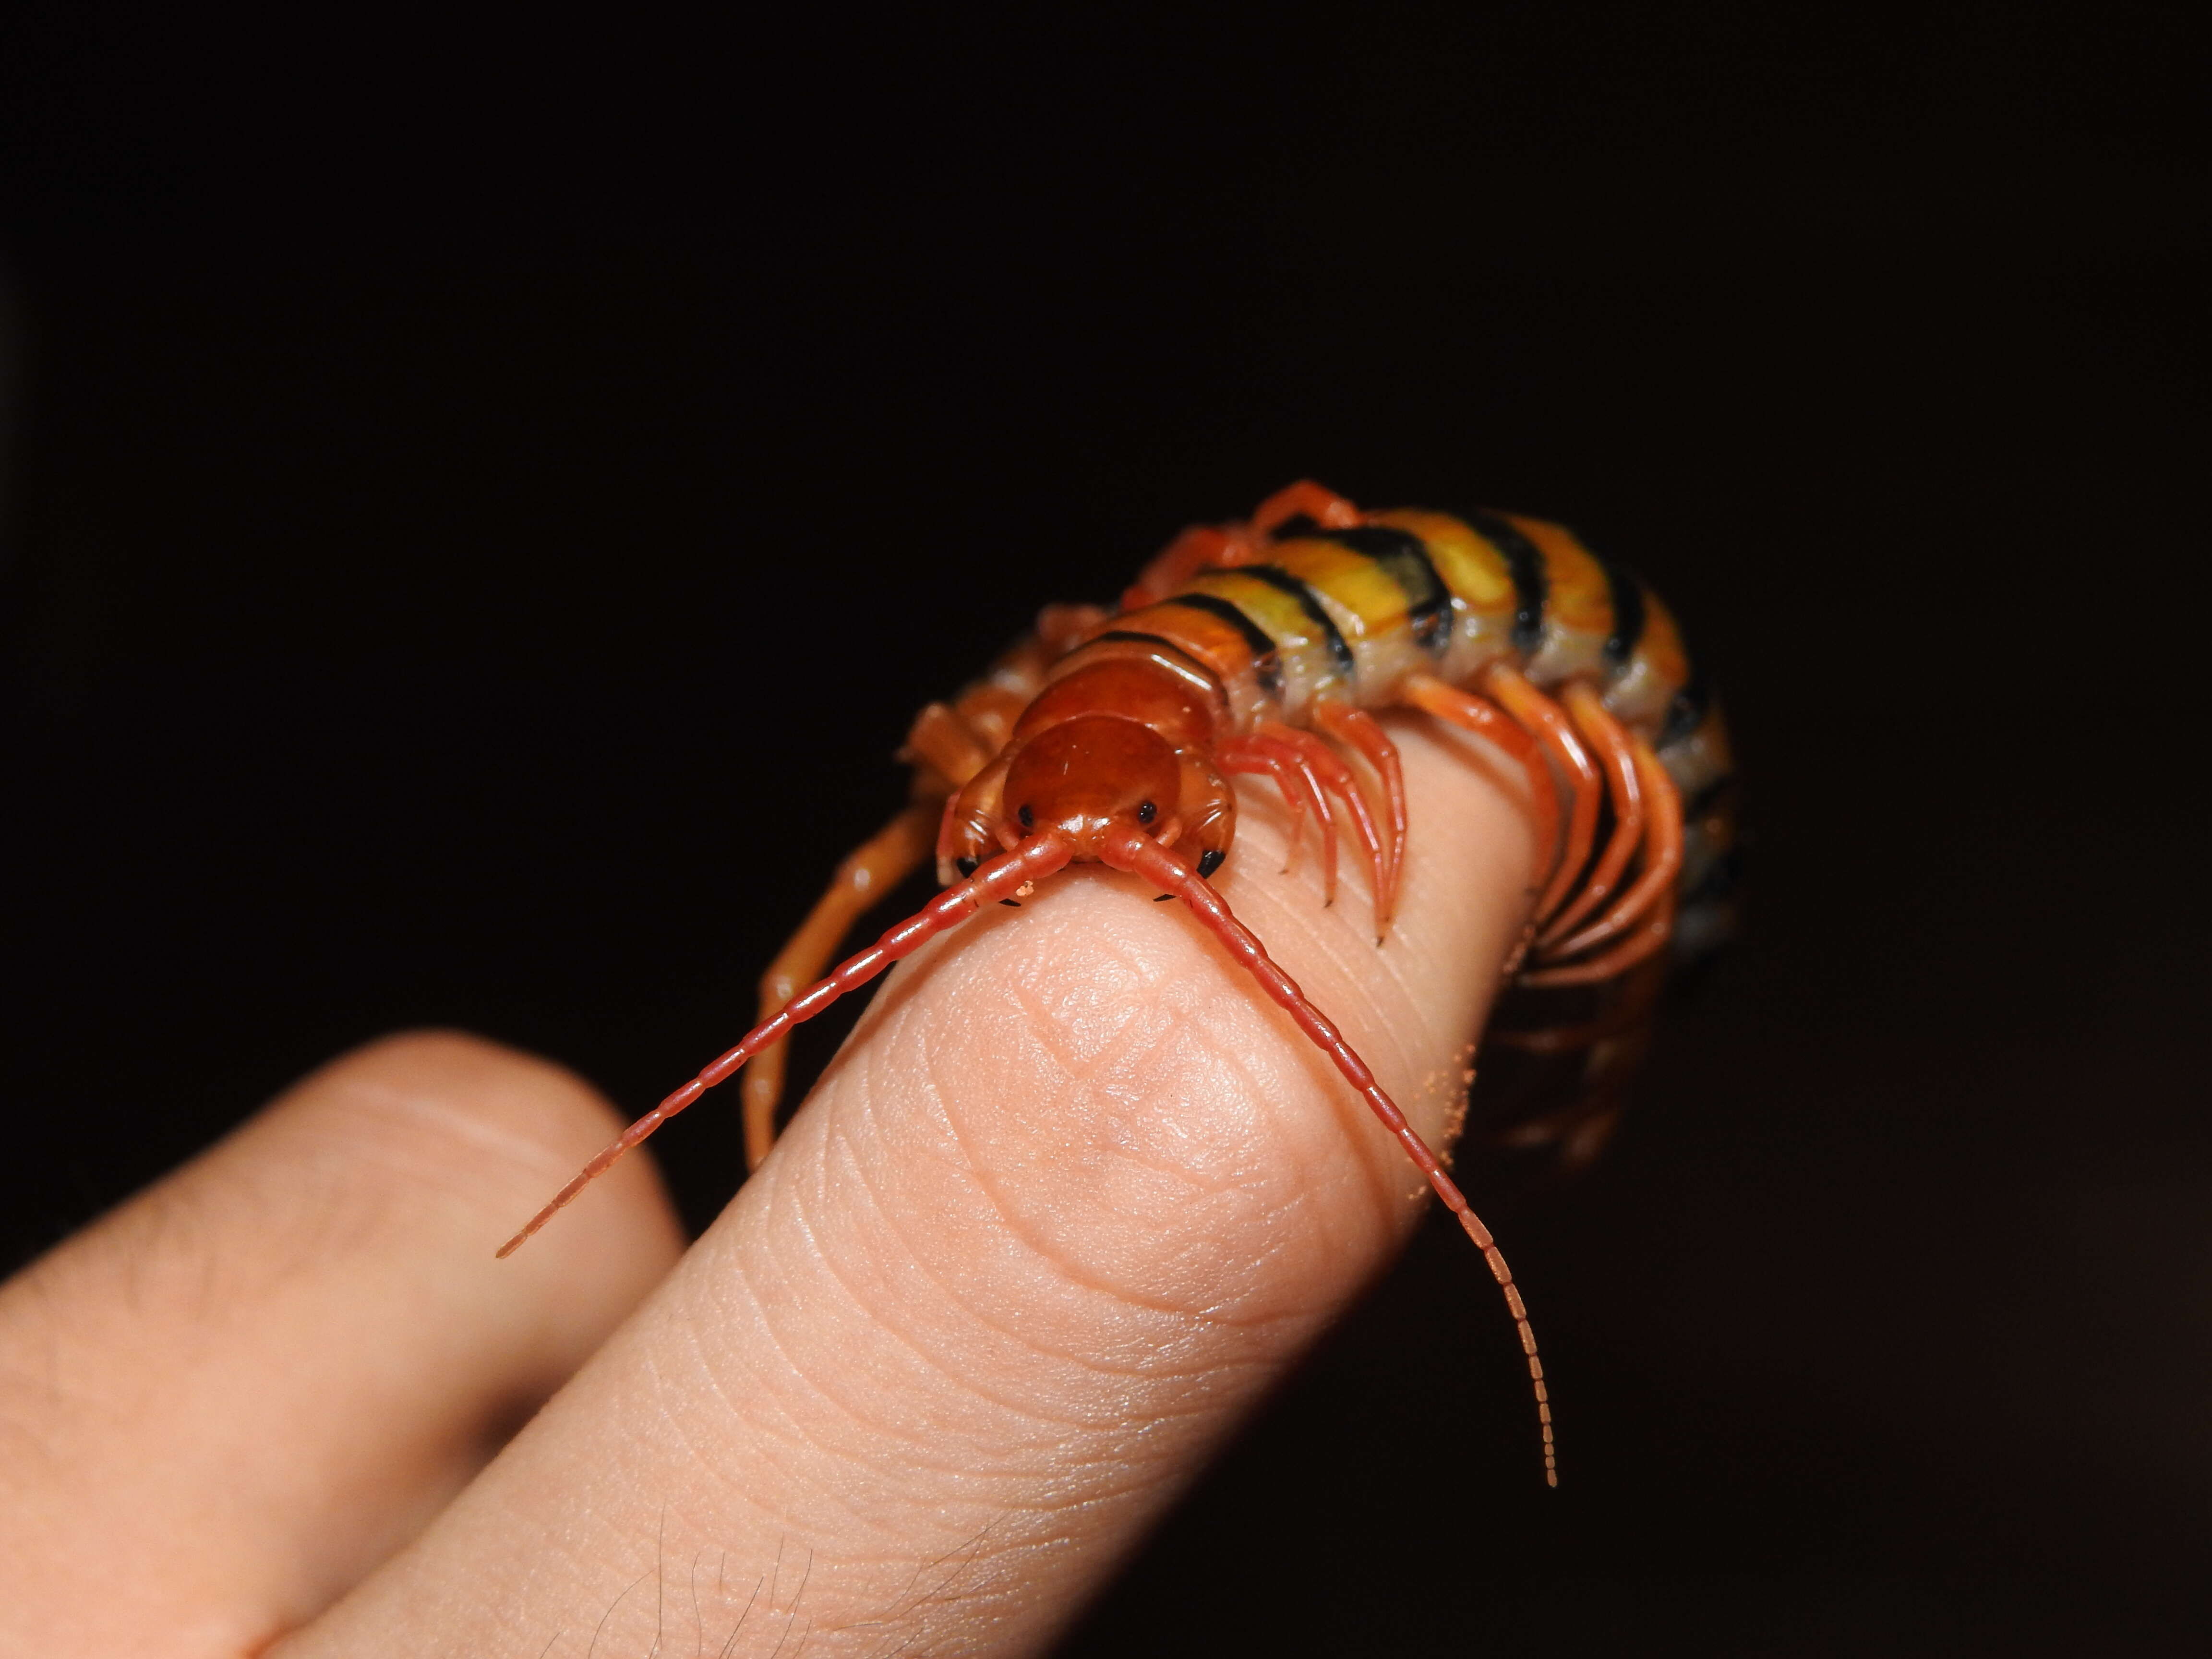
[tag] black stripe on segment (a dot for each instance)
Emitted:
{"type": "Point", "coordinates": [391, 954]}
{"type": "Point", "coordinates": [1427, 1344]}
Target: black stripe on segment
{"type": "Point", "coordinates": [1687, 712]}
{"type": "Point", "coordinates": [1295, 528]}
{"type": "Point", "coordinates": [1628, 595]}
{"type": "Point", "coordinates": [1404, 558]}
{"type": "Point", "coordinates": [1530, 587]}
{"type": "Point", "coordinates": [1260, 642]}
{"type": "Point", "coordinates": [1257, 639]}
{"type": "Point", "coordinates": [1269, 668]}
{"type": "Point", "coordinates": [1310, 602]}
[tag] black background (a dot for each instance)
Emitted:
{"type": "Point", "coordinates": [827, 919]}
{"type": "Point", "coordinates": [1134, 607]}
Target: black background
{"type": "Point", "coordinates": [482, 502]}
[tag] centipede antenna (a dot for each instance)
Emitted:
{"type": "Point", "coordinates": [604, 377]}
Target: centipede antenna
{"type": "Point", "coordinates": [1032, 860]}
{"type": "Point", "coordinates": [1133, 850]}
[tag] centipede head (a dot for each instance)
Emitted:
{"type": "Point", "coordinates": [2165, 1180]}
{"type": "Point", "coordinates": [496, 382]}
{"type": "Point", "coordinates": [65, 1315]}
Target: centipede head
{"type": "Point", "coordinates": [1082, 779]}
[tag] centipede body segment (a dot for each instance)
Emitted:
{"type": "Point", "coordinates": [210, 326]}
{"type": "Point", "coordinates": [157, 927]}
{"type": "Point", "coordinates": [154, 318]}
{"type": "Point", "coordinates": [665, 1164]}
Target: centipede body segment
{"type": "Point", "coordinates": [1261, 649]}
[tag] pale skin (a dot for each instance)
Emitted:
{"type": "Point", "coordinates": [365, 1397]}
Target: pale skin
{"type": "Point", "coordinates": [1073, 1198]}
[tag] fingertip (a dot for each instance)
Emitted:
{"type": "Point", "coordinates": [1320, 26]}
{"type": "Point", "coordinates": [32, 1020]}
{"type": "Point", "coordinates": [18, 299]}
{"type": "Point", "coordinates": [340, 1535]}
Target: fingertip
{"type": "Point", "coordinates": [269, 1369]}
{"type": "Point", "coordinates": [460, 1119]}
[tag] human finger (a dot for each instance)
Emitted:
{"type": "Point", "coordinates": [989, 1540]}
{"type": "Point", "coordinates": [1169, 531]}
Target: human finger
{"type": "Point", "coordinates": [223, 1404]}
{"type": "Point", "coordinates": [1072, 1199]}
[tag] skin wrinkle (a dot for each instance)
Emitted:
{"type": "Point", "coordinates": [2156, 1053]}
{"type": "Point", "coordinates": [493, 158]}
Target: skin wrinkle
{"type": "Point", "coordinates": [815, 1443]}
{"type": "Point", "coordinates": [930, 1361]}
{"type": "Point", "coordinates": [1023, 1233]}
{"type": "Point", "coordinates": [1211, 1315]}
{"type": "Point", "coordinates": [1046, 1430]}
{"type": "Point", "coordinates": [474, 1142]}
{"type": "Point", "coordinates": [919, 1260]}
{"type": "Point", "coordinates": [1191, 1328]}
{"type": "Point", "coordinates": [1260, 1094]}
{"type": "Point", "coordinates": [1018, 1229]}
{"type": "Point", "coordinates": [1090, 1484]}
{"type": "Point", "coordinates": [1054, 1033]}
{"type": "Point", "coordinates": [966, 1386]}
{"type": "Point", "coordinates": [1179, 1024]}
{"type": "Point", "coordinates": [660, 1384]}
{"type": "Point", "coordinates": [868, 1520]}
{"type": "Point", "coordinates": [792, 1435]}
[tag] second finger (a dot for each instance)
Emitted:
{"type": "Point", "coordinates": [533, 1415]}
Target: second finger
{"type": "Point", "coordinates": [223, 1404]}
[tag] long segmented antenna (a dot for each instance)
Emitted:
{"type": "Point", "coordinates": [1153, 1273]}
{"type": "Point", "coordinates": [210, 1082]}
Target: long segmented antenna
{"type": "Point", "coordinates": [1126, 849]}
{"type": "Point", "coordinates": [1034, 859]}
{"type": "Point", "coordinates": [1132, 849]}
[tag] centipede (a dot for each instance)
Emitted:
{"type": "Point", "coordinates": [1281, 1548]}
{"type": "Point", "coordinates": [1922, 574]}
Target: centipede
{"type": "Point", "coordinates": [1264, 648]}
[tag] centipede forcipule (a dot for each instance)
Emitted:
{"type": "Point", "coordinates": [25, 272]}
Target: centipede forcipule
{"type": "Point", "coordinates": [1262, 648]}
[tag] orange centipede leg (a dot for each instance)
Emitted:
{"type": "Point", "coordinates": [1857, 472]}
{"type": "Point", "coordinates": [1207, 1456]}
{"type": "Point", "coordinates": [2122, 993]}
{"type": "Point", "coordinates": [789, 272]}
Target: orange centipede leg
{"type": "Point", "coordinates": [1486, 719]}
{"type": "Point", "coordinates": [1618, 757]}
{"type": "Point", "coordinates": [1316, 796]}
{"type": "Point", "coordinates": [947, 827]}
{"type": "Point", "coordinates": [1662, 860]}
{"type": "Point", "coordinates": [1253, 759]}
{"type": "Point", "coordinates": [1357, 728]}
{"type": "Point", "coordinates": [1061, 627]}
{"type": "Point", "coordinates": [1316, 502]}
{"type": "Point", "coordinates": [1545, 719]}
{"type": "Point", "coordinates": [1203, 546]}
{"type": "Point", "coordinates": [941, 739]}
{"type": "Point", "coordinates": [1651, 935]}
{"type": "Point", "coordinates": [1133, 850]}
{"type": "Point", "coordinates": [872, 870]}
{"type": "Point", "coordinates": [1329, 767]}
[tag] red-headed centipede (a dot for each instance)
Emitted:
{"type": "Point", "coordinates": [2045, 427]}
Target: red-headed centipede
{"type": "Point", "coordinates": [1258, 648]}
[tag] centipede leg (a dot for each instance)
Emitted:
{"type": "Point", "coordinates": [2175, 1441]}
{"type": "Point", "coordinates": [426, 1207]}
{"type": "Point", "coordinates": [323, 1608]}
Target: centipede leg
{"type": "Point", "coordinates": [1315, 795]}
{"type": "Point", "coordinates": [1662, 861]}
{"type": "Point", "coordinates": [1254, 760]}
{"type": "Point", "coordinates": [942, 740]}
{"type": "Point", "coordinates": [1578, 1131]}
{"type": "Point", "coordinates": [1488, 722]}
{"type": "Point", "coordinates": [1617, 756]}
{"type": "Point", "coordinates": [1357, 728]}
{"type": "Point", "coordinates": [1059, 629]}
{"type": "Point", "coordinates": [1650, 937]}
{"type": "Point", "coordinates": [1201, 547]}
{"type": "Point", "coordinates": [1548, 723]}
{"type": "Point", "coordinates": [1558, 1088]}
{"type": "Point", "coordinates": [1329, 768]}
{"type": "Point", "coordinates": [872, 869]}
{"type": "Point", "coordinates": [1308, 499]}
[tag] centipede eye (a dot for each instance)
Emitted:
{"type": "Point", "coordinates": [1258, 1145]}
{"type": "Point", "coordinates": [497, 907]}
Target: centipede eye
{"type": "Point", "coordinates": [1028, 817]}
{"type": "Point", "coordinates": [1146, 812]}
